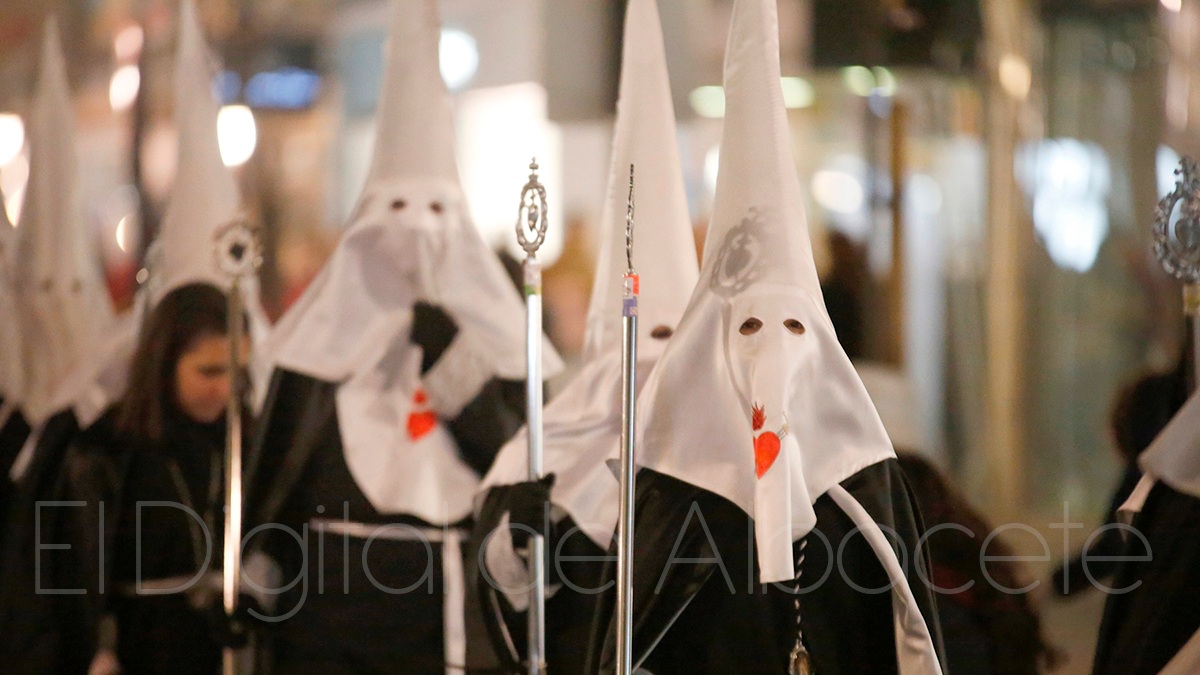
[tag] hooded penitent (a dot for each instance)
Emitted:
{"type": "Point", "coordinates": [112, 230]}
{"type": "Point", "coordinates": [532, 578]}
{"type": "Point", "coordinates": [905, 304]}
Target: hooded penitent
{"type": "Point", "coordinates": [64, 308]}
{"type": "Point", "coordinates": [410, 239]}
{"type": "Point", "coordinates": [204, 199]}
{"type": "Point", "coordinates": [754, 398]}
{"type": "Point", "coordinates": [583, 422]}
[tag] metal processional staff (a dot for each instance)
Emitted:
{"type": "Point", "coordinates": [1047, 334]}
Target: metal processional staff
{"type": "Point", "coordinates": [531, 233]}
{"type": "Point", "coordinates": [238, 256]}
{"type": "Point", "coordinates": [629, 321]}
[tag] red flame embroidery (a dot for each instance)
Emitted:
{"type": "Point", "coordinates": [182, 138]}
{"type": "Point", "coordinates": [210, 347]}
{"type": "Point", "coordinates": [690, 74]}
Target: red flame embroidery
{"type": "Point", "coordinates": [758, 418]}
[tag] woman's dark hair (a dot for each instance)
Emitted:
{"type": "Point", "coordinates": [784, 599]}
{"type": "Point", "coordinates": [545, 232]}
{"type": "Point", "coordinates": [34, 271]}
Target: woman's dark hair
{"type": "Point", "coordinates": [1144, 406]}
{"type": "Point", "coordinates": [1011, 622]}
{"type": "Point", "coordinates": [183, 316]}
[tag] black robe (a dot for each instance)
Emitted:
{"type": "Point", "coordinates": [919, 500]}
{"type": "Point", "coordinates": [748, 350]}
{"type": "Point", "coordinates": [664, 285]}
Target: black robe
{"type": "Point", "coordinates": [336, 618]}
{"type": "Point", "coordinates": [88, 484]}
{"type": "Point", "coordinates": [497, 635]}
{"type": "Point", "coordinates": [48, 596]}
{"type": "Point", "coordinates": [698, 606]}
{"type": "Point", "coordinates": [175, 632]}
{"type": "Point", "coordinates": [1143, 629]}
{"type": "Point", "coordinates": [13, 433]}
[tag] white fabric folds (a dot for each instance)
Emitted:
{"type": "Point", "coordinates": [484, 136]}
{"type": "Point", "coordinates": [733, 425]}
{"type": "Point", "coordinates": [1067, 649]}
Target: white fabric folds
{"type": "Point", "coordinates": [582, 425]}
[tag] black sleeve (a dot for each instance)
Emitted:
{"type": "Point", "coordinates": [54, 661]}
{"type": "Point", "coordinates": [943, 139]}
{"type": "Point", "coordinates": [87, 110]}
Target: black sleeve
{"type": "Point", "coordinates": [432, 330]}
{"type": "Point", "coordinates": [94, 474]}
{"type": "Point", "coordinates": [496, 412]}
{"type": "Point", "coordinates": [487, 422]}
{"type": "Point", "coordinates": [12, 438]}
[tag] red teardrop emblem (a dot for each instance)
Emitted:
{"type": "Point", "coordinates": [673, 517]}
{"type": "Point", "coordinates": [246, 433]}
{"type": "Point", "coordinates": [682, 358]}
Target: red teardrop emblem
{"type": "Point", "coordinates": [766, 449]}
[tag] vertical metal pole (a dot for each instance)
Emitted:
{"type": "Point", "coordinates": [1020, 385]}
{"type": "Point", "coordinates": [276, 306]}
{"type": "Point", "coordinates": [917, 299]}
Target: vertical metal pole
{"type": "Point", "coordinates": [897, 278]}
{"type": "Point", "coordinates": [531, 233]}
{"type": "Point", "coordinates": [232, 562]}
{"type": "Point", "coordinates": [237, 255]}
{"type": "Point", "coordinates": [1191, 311]}
{"type": "Point", "coordinates": [533, 392]}
{"type": "Point", "coordinates": [629, 321]}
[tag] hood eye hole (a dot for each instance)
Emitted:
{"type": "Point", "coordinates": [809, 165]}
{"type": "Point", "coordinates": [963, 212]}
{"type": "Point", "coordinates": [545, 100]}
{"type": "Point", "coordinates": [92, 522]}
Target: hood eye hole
{"type": "Point", "coordinates": [750, 326]}
{"type": "Point", "coordinates": [794, 326]}
{"type": "Point", "coordinates": [661, 332]}
{"type": "Point", "coordinates": [399, 205]}
{"type": "Point", "coordinates": [436, 207]}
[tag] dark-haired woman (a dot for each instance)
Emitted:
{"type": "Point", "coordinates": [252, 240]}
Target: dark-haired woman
{"type": "Point", "coordinates": [167, 547]}
{"type": "Point", "coordinates": [149, 475]}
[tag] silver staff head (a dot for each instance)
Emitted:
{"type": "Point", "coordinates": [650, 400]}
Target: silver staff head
{"type": "Point", "coordinates": [237, 249]}
{"type": "Point", "coordinates": [531, 214]}
{"type": "Point", "coordinates": [1177, 225]}
{"type": "Point", "coordinates": [629, 226]}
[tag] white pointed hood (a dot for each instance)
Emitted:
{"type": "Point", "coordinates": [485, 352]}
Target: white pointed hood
{"type": "Point", "coordinates": [410, 239]}
{"type": "Point", "coordinates": [205, 196]}
{"type": "Point", "coordinates": [754, 398]}
{"type": "Point", "coordinates": [204, 199]}
{"type": "Point", "coordinates": [583, 422]}
{"type": "Point", "coordinates": [65, 307]}
{"type": "Point", "coordinates": [12, 373]}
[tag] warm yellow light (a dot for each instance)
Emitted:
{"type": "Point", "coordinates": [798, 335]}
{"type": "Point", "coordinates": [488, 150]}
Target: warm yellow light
{"type": "Point", "coordinates": [123, 89]}
{"type": "Point", "coordinates": [12, 137]}
{"type": "Point", "coordinates": [708, 101]}
{"type": "Point", "coordinates": [859, 80]}
{"type": "Point", "coordinates": [236, 134]}
{"type": "Point", "coordinates": [797, 92]}
{"type": "Point", "coordinates": [122, 234]}
{"type": "Point", "coordinates": [1015, 76]}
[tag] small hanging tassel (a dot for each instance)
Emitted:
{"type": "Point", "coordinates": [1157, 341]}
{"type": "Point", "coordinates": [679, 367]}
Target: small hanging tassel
{"type": "Point", "coordinates": [800, 662]}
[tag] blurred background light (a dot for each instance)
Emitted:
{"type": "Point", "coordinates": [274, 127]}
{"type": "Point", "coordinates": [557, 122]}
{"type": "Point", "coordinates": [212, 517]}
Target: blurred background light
{"type": "Point", "coordinates": [459, 57]}
{"type": "Point", "coordinates": [123, 88]}
{"type": "Point", "coordinates": [237, 134]}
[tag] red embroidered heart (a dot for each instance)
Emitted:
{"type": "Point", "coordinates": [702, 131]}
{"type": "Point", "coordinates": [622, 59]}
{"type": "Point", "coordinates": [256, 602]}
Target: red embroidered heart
{"type": "Point", "coordinates": [421, 423]}
{"type": "Point", "coordinates": [766, 449]}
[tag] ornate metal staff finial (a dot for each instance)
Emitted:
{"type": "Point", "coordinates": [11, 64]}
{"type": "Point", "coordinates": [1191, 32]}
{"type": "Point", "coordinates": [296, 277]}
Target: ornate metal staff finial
{"type": "Point", "coordinates": [629, 226]}
{"type": "Point", "coordinates": [531, 214]}
{"type": "Point", "coordinates": [1177, 246]}
{"type": "Point", "coordinates": [1177, 225]}
{"type": "Point", "coordinates": [237, 248]}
